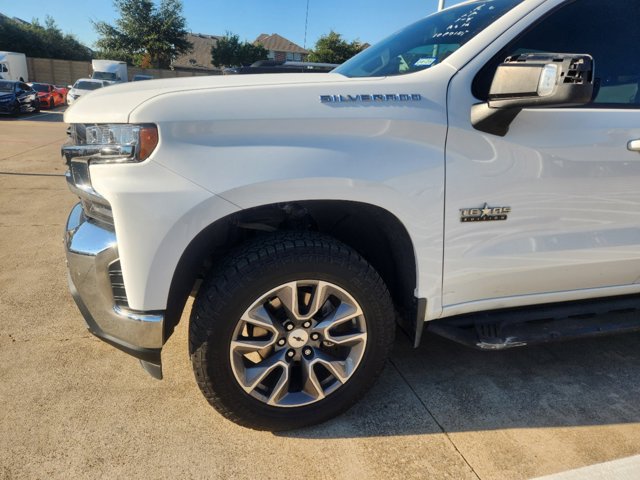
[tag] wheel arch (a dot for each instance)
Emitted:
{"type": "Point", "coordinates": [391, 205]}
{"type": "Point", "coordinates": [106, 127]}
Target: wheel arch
{"type": "Point", "coordinates": [377, 234]}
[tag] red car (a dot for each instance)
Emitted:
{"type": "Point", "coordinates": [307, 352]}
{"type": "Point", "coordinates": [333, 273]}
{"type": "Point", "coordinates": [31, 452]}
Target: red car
{"type": "Point", "coordinates": [50, 95]}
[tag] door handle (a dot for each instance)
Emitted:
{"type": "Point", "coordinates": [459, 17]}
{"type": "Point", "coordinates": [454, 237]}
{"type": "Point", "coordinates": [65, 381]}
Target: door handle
{"type": "Point", "coordinates": [633, 146]}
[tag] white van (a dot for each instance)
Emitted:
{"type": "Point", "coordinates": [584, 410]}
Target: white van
{"type": "Point", "coordinates": [13, 66]}
{"type": "Point", "coordinates": [111, 71]}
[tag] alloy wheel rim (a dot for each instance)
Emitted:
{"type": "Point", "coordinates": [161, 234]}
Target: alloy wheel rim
{"type": "Point", "coordinates": [298, 343]}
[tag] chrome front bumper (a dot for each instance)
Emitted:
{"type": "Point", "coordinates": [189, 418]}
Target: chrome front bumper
{"type": "Point", "coordinates": [91, 249]}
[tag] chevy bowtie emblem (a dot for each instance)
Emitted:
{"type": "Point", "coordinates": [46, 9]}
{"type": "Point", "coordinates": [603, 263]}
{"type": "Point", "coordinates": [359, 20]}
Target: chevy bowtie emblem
{"type": "Point", "coordinates": [484, 214]}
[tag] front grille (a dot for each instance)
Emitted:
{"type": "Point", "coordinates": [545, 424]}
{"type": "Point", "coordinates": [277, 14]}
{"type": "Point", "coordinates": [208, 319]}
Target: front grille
{"type": "Point", "coordinates": [117, 285]}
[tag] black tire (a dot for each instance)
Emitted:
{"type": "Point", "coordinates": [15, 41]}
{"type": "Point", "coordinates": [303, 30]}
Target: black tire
{"type": "Point", "coordinates": [242, 278]}
{"type": "Point", "coordinates": [15, 110]}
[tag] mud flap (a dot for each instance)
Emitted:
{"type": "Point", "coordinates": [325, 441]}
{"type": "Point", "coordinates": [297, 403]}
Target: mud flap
{"type": "Point", "coordinates": [412, 323]}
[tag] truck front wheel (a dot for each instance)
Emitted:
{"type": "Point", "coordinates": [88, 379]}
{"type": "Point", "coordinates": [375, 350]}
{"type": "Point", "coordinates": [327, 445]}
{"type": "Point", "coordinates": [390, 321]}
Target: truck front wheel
{"type": "Point", "coordinates": [289, 331]}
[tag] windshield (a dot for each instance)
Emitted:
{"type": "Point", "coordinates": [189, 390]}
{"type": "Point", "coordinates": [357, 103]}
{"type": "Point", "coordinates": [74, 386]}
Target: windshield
{"type": "Point", "coordinates": [40, 87]}
{"type": "Point", "coordinates": [87, 85]}
{"type": "Point", "coordinates": [104, 76]}
{"type": "Point", "coordinates": [6, 86]}
{"type": "Point", "coordinates": [426, 42]}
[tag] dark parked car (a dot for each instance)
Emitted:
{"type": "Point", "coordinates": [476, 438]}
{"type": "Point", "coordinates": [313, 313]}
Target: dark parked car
{"type": "Point", "coordinates": [17, 97]}
{"type": "Point", "coordinates": [139, 77]}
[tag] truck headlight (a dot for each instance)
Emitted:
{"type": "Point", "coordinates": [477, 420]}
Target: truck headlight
{"type": "Point", "coordinates": [121, 143]}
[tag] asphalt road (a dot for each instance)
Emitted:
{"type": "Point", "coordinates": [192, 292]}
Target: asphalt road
{"type": "Point", "coordinates": [73, 407]}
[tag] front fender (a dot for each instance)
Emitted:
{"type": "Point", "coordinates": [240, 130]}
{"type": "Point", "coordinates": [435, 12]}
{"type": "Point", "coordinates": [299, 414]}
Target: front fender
{"type": "Point", "coordinates": [230, 149]}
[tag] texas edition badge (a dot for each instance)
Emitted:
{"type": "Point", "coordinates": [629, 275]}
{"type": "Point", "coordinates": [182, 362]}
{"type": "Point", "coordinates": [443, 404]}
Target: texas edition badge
{"type": "Point", "coordinates": [484, 214]}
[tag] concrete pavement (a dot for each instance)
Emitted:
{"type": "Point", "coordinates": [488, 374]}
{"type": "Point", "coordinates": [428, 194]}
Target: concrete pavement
{"type": "Point", "coordinates": [623, 469]}
{"type": "Point", "coordinates": [74, 407]}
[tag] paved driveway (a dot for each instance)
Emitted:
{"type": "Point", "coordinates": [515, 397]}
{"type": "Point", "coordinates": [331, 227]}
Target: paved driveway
{"type": "Point", "coordinates": [73, 407]}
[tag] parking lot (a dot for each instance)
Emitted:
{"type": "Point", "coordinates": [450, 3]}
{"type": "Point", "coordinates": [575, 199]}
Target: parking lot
{"type": "Point", "coordinates": [74, 407]}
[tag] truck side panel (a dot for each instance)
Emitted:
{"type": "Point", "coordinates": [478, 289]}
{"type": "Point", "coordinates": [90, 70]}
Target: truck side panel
{"type": "Point", "coordinates": [388, 154]}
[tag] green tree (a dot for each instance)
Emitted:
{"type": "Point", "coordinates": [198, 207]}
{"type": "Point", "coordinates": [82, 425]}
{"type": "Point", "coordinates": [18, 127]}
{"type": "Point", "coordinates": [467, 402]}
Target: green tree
{"type": "Point", "coordinates": [332, 48]}
{"type": "Point", "coordinates": [230, 52]}
{"type": "Point", "coordinates": [144, 31]}
{"type": "Point", "coordinates": [36, 40]}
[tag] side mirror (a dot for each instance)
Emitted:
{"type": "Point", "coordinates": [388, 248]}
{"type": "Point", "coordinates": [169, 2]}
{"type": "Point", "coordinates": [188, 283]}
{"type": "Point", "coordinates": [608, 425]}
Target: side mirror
{"type": "Point", "coordinates": [533, 80]}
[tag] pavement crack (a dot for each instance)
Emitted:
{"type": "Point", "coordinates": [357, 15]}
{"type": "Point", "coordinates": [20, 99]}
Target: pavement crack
{"type": "Point", "coordinates": [36, 174]}
{"type": "Point", "coordinates": [424, 405]}
{"type": "Point", "coordinates": [40, 189]}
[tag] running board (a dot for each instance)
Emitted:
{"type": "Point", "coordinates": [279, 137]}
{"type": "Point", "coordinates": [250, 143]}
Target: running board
{"type": "Point", "coordinates": [502, 329]}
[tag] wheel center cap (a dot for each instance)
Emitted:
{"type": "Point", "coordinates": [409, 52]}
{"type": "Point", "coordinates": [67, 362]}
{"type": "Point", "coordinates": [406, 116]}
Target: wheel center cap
{"type": "Point", "coordinates": [298, 338]}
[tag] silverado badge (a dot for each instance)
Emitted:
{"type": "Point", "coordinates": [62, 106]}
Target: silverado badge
{"type": "Point", "coordinates": [369, 98]}
{"type": "Point", "coordinates": [484, 214]}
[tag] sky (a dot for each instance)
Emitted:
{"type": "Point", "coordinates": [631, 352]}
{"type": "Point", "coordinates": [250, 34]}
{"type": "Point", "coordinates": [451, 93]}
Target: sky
{"type": "Point", "coordinates": [364, 20]}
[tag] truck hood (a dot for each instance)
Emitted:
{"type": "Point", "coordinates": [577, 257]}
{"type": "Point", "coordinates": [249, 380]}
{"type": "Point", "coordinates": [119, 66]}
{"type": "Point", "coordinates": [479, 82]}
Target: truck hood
{"type": "Point", "coordinates": [115, 103]}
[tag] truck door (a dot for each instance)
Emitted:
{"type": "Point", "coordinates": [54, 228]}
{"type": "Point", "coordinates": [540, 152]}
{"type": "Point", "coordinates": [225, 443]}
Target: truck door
{"type": "Point", "coordinates": [553, 207]}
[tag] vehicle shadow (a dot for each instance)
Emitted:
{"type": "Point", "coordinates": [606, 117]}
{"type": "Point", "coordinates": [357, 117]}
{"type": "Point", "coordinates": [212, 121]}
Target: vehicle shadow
{"type": "Point", "coordinates": [578, 383]}
{"type": "Point", "coordinates": [48, 115]}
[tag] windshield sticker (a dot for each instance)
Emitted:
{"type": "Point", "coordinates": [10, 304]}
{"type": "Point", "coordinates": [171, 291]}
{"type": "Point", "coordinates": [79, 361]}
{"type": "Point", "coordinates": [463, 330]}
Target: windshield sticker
{"type": "Point", "coordinates": [425, 62]}
{"type": "Point", "coordinates": [462, 25]}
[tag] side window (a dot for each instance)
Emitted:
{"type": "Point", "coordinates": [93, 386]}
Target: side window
{"type": "Point", "coordinates": [608, 31]}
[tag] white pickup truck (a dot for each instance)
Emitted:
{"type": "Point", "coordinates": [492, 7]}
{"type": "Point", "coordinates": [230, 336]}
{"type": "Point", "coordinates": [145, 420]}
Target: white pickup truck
{"type": "Point", "coordinates": [476, 174]}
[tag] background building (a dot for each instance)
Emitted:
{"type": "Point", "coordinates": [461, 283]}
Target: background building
{"type": "Point", "coordinates": [281, 49]}
{"type": "Point", "coordinates": [200, 57]}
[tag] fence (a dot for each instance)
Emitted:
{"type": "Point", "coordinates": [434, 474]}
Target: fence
{"type": "Point", "coordinates": [66, 72]}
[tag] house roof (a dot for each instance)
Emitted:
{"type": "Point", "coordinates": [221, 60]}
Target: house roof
{"type": "Point", "coordinates": [200, 56]}
{"type": "Point", "coordinates": [15, 19]}
{"type": "Point", "coordinates": [276, 43]}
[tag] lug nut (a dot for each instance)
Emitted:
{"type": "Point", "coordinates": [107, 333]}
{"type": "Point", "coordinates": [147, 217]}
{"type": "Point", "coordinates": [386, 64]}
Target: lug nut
{"type": "Point", "coordinates": [291, 354]}
{"type": "Point", "coordinates": [281, 342]}
{"type": "Point", "coordinates": [289, 327]}
{"type": "Point", "coordinates": [306, 324]}
{"type": "Point", "coordinates": [315, 336]}
{"type": "Point", "coordinates": [307, 352]}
